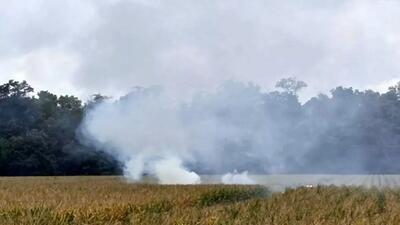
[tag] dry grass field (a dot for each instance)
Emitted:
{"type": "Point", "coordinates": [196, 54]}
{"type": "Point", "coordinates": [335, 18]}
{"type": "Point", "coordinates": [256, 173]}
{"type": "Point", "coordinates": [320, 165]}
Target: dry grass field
{"type": "Point", "coordinates": [109, 200]}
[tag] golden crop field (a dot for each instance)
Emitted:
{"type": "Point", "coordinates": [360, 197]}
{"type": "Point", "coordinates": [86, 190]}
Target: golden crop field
{"type": "Point", "coordinates": [110, 200]}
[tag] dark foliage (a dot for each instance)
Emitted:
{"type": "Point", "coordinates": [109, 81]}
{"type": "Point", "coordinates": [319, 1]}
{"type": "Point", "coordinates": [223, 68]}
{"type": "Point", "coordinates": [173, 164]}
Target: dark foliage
{"type": "Point", "coordinates": [38, 135]}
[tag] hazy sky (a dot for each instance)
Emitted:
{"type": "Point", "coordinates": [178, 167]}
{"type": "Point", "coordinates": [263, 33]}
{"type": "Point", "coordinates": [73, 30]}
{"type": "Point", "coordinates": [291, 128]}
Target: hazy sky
{"type": "Point", "coordinates": [87, 46]}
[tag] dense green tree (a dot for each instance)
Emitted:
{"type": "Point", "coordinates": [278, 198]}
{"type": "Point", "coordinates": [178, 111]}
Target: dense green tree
{"type": "Point", "coordinates": [38, 135]}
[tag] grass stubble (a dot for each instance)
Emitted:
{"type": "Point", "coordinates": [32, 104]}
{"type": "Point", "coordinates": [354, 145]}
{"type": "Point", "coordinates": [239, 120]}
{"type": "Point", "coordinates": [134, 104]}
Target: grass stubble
{"type": "Point", "coordinates": [109, 200]}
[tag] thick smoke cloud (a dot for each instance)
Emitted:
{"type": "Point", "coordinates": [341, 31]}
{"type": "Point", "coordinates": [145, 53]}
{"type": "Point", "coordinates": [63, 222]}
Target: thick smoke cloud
{"type": "Point", "coordinates": [218, 132]}
{"type": "Point", "coordinates": [190, 48]}
{"type": "Point", "coordinates": [84, 47]}
{"type": "Point", "coordinates": [154, 134]}
{"type": "Point", "coordinates": [239, 129]}
{"type": "Point", "coordinates": [146, 133]}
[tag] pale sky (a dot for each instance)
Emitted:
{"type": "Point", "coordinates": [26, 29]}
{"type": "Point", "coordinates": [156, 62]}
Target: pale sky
{"type": "Point", "coordinates": [83, 47]}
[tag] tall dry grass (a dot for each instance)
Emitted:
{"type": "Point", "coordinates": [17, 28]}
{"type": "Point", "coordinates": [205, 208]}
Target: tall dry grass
{"type": "Point", "coordinates": [109, 200]}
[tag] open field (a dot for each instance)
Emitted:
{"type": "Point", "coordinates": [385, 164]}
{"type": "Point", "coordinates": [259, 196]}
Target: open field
{"type": "Point", "coordinates": [109, 200]}
{"type": "Point", "coordinates": [281, 182]}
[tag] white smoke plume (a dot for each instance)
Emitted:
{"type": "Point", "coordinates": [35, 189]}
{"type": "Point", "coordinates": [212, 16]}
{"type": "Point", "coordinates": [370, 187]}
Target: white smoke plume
{"type": "Point", "coordinates": [236, 127]}
{"type": "Point", "coordinates": [237, 178]}
{"type": "Point", "coordinates": [171, 171]}
{"type": "Point", "coordinates": [154, 134]}
{"type": "Point", "coordinates": [143, 131]}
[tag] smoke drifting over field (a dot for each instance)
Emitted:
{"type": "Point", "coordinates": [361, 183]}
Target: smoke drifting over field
{"type": "Point", "coordinates": [240, 128]}
{"type": "Point", "coordinates": [197, 123]}
{"type": "Point", "coordinates": [168, 138]}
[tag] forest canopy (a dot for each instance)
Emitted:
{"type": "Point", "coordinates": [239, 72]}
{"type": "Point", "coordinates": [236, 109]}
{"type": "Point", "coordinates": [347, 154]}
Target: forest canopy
{"type": "Point", "coordinates": [38, 135]}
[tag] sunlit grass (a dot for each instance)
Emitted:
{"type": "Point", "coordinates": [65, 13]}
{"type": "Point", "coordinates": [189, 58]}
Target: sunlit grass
{"type": "Point", "coordinates": [110, 200]}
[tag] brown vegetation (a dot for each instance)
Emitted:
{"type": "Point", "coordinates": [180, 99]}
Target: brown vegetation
{"type": "Point", "coordinates": [108, 200]}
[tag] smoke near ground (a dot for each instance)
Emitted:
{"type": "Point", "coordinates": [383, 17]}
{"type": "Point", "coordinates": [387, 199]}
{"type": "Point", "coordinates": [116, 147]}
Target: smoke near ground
{"type": "Point", "coordinates": [154, 134]}
{"type": "Point", "coordinates": [237, 178]}
{"type": "Point", "coordinates": [196, 123]}
{"type": "Point", "coordinates": [239, 129]}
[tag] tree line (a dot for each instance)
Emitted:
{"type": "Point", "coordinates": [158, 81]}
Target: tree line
{"type": "Point", "coordinates": [38, 135]}
{"type": "Point", "coordinates": [348, 131]}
